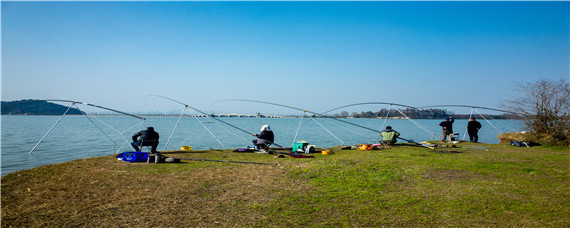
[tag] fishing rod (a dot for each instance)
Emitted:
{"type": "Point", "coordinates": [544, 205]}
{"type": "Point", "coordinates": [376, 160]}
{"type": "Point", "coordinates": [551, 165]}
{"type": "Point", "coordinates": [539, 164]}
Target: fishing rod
{"type": "Point", "coordinates": [471, 106]}
{"type": "Point", "coordinates": [97, 106]}
{"type": "Point", "coordinates": [414, 142]}
{"type": "Point", "coordinates": [228, 161]}
{"type": "Point", "coordinates": [367, 103]}
{"type": "Point", "coordinates": [319, 114]}
{"type": "Point", "coordinates": [73, 103]}
{"type": "Point", "coordinates": [229, 124]}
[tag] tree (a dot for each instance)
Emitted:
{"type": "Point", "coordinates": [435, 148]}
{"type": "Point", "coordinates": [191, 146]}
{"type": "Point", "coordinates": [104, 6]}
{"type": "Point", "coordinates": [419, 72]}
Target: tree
{"type": "Point", "coordinates": [545, 104]}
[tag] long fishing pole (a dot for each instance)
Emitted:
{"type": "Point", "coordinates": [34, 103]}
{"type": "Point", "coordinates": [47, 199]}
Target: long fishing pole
{"type": "Point", "coordinates": [414, 142]}
{"type": "Point", "coordinates": [319, 114]}
{"type": "Point", "coordinates": [244, 162]}
{"type": "Point", "coordinates": [366, 103]}
{"type": "Point", "coordinates": [229, 124]}
{"type": "Point", "coordinates": [391, 104]}
{"type": "Point", "coordinates": [97, 106]}
{"type": "Point", "coordinates": [73, 103]}
{"type": "Point", "coordinates": [471, 106]}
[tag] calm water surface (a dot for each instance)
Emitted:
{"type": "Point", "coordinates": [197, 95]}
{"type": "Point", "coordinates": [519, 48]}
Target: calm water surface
{"type": "Point", "coordinates": [78, 137]}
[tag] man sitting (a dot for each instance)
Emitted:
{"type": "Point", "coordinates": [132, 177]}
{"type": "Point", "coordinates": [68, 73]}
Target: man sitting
{"type": "Point", "coordinates": [147, 137]}
{"type": "Point", "coordinates": [264, 138]}
{"type": "Point", "coordinates": [388, 137]}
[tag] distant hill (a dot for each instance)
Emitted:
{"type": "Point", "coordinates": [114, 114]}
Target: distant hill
{"type": "Point", "coordinates": [35, 107]}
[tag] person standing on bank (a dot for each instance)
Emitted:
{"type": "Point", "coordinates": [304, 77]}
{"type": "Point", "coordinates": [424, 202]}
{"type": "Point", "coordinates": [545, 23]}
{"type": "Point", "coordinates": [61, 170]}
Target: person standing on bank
{"type": "Point", "coordinates": [147, 137]}
{"type": "Point", "coordinates": [447, 128]}
{"type": "Point", "coordinates": [472, 129]}
{"type": "Point", "coordinates": [264, 139]}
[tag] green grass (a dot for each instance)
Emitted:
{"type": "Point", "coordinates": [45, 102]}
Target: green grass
{"type": "Point", "coordinates": [499, 185]}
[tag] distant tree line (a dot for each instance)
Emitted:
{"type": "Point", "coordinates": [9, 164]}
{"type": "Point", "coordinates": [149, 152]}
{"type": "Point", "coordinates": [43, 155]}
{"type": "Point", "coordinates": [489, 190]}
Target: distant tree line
{"type": "Point", "coordinates": [417, 114]}
{"type": "Point", "coordinates": [35, 107]}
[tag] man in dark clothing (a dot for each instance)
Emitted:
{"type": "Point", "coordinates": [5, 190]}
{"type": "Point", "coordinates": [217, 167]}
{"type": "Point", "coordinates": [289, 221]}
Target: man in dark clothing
{"type": "Point", "coordinates": [447, 128]}
{"type": "Point", "coordinates": [147, 137]}
{"type": "Point", "coordinates": [472, 129]}
{"type": "Point", "coordinates": [265, 138]}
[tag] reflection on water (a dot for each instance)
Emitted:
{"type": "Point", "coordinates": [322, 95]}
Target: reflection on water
{"type": "Point", "coordinates": [78, 137]}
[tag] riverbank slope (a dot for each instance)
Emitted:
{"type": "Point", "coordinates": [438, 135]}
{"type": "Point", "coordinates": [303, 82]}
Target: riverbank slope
{"type": "Point", "coordinates": [471, 185]}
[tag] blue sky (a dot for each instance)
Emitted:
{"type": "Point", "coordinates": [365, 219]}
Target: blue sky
{"type": "Point", "coordinates": [312, 55]}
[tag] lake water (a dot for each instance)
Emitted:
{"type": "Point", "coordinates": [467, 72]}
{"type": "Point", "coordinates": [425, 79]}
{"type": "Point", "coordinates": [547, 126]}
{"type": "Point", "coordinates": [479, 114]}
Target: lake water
{"type": "Point", "coordinates": [78, 137]}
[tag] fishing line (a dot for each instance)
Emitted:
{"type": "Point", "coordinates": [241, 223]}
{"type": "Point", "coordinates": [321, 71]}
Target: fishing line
{"type": "Point", "coordinates": [349, 129]}
{"type": "Point", "coordinates": [86, 116]}
{"type": "Point", "coordinates": [120, 133]}
{"type": "Point", "coordinates": [488, 122]}
{"type": "Point", "coordinates": [383, 124]}
{"type": "Point", "coordinates": [342, 143]}
{"type": "Point", "coordinates": [300, 122]}
{"type": "Point", "coordinates": [116, 130]}
{"type": "Point", "coordinates": [470, 115]}
{"type": "Point", "coordinates": [228, 130]}
{"type": "Point", "coordinates": [175, 126]}
{"type": "Point", "coordinates": [502, 124]}
{"type": "Point", "coordinates": [42, 139]}
{"type": "Point", "coordinates": [418, 125]}
{"type": "Point", "coordinates": [206, 128]}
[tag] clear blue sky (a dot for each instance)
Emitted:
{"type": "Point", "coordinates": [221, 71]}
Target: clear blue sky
{"type": "Point", "coordinates": [313, 55]}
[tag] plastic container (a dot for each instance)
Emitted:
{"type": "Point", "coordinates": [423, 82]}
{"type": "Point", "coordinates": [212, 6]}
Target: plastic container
{"type": "Point", "coordinates": [186, 148]}
{"type": "Point", "coordinates": [326, 152]}
{"type": "Point", "coordinates": [300, 146]}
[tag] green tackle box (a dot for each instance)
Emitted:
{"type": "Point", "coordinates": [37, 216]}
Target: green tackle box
{"type": "Point", "coordinates": [300, 145]}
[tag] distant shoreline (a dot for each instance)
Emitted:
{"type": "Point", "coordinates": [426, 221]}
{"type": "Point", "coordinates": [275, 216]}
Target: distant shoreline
{"type": "Point", "coordinates": [459, 116]}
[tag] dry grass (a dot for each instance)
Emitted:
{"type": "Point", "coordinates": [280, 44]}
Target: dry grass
{"type": "Point", "coordinates": [506, 138]}
{"type": "Point", "coordinates": [105, 192]}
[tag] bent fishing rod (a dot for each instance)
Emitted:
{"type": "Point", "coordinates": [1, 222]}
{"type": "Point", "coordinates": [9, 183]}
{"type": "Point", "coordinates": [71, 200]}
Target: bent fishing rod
{"type": "Point", "coordinates": [97, 106]}
{"type": "Point", "coordinates": [414, 142]}
{"type": "Point", "coordinates": [367, 103]}
{"type": "Point", "coordinates": [229, 124]}
{"type": "Point", "coordinates": [228, 161]}
{"type": "Point", "coordinates": [304, 110]}
{"type": "Point", "coordinates": [69, 108]}
{"type": "Point", "coordinates": [471, 106]}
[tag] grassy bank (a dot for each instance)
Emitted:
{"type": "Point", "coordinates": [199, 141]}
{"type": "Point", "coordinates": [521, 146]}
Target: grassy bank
{"type": "Point", "coordinates": [498, 185]}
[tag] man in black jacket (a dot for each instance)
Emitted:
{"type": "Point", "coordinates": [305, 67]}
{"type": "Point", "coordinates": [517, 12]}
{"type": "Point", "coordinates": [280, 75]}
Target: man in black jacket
{"type": "Point", "coordinates": [147, 137]}
{"type": "Point", "coordinates": [472, 129]}
{"type": "Point", "coordinates": [447, 128]}
{"type": "Point", "coordinates": [265, 138]}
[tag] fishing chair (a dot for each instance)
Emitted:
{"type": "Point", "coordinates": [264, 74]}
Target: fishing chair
{"type": "Point", "coordinates": [145, 143]}
{"type": "Point", "coordinates": [264, 146]}
{"type": "Point", "coordinates": [385, 144]}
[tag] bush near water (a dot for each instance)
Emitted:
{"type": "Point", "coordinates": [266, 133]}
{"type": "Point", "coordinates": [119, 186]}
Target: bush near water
{"type": "Point", "coordinates": [472, 185]}
{"type": "Point", "coordinates": [542, 138]}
